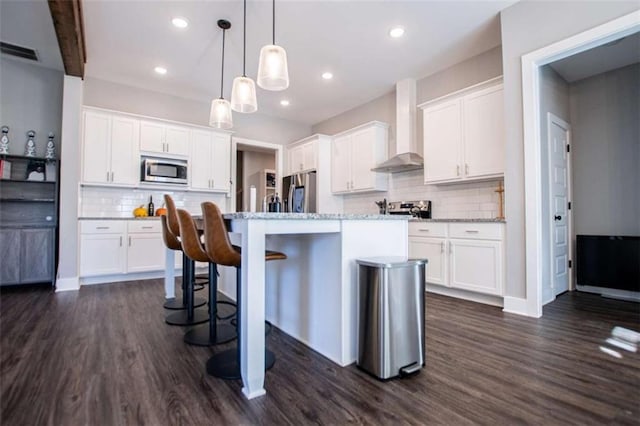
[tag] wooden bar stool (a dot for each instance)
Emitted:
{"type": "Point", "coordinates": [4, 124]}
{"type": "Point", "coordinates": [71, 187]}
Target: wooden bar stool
{"type": "Point", "coordinates": [192, 247]}
{"type": "Point", "coordinates": [226, 364]}
{"type": "Point", "coordinates": [189, 316]}
{"type": "Point", "coordinates": [172, 243]}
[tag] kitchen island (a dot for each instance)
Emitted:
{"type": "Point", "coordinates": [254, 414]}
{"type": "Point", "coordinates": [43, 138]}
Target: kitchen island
{"type": "Point", "coordinates": [312, 294]}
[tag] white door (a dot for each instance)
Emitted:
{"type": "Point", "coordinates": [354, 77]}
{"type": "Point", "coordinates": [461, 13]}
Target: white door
{"type": "Point", "coordinates": [484, 133]}
{"type": "Point", "coordinates": [559, 198]}
{"type": "Point", "coordinates": [442, 142]}
{"type": "Point", "coordinates": [432, 249]}
{"type": "Point", "coordinates": [340, 164]}
{"type": "Point", "coordinates": [221, 177]}
{"type": "Point", "coordinates": [308, 156]}
{"type": "Point", "coordinates": [177, 139]}
{"type": "Point", "coordinates": [476, 265]}
{"type": "Point", "coordinates": [145, 252]}
{"type": "Point", "coordinates": [124, 151]}
{"type": "Point", "coordinates": [296, 159]}
{"type": "Point", "coordinates": [96, 148]}
{"type": "Point", "coordinates": [201, 147]}
{"type": "Point", "coordinates": [101, 254]}
{"type": "Point", "coordinates": [363, 159]}
{"type": "Point", "coordinates": [152, 137]}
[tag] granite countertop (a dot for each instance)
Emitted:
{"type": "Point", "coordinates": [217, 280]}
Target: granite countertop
{"type": "Point", "coordinates": [414, 219]}
{"type": "Point", "coordinates": [308, 216]}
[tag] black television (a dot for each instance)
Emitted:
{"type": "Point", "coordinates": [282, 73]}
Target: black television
{"type": "Point", "coordinates": [608, 261]}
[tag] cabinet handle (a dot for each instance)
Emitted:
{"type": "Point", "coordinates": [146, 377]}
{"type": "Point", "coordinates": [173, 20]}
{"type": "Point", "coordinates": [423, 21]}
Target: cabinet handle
{"type": "Point", "coordinates": [102, 227]}
{"type": "Point", "coordinates": [107, 176]}
{"type": "Point", "coordinates": [458, 170]}
{"type": "Point", "coordinates": [212, 185]}
{"type": "Point", "coordinates": [466, 169]}
{"type": "Point", "coordinates": [442, 247]}
{"type": "Point", "coordinates": [450, 248]}
{"type": "Point", "coordinates": [472, 231]}
{"type": "Point", "coordinates": [120, 241]}
{"type": "Point", "coordinates": [129, 241]}
{"type": "Point", "coordinates": [111, 176]}
{"type": "Point", "coordinates": [144, 227]}
{"type": "Point", "coordinates": [423, 229]}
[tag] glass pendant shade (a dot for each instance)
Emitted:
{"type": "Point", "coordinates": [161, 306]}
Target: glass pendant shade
{"type": "Point", "coordinates": [243, 95]}
{"type": "Point", "coordinates": [273, 73]}
{"type": "Point", "coordinates": [220, 116]}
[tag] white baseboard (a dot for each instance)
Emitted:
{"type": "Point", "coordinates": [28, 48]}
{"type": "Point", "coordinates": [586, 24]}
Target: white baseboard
{"type": "Point", "coordinates": [67, 284]}
{"type": "Point", "coordinates": [487, 299]}
{"type": "Point", "coordinates": [515, 305]}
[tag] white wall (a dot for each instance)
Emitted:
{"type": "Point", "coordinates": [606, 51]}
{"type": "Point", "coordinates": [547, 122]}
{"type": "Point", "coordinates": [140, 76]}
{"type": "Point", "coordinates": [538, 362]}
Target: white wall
{"type": "Point", "coordinates": [605, 112]}
{"type": "Point", "coordinates": [119, 97]}
{"type": "Point", "coordinates": [30, 99]}
{"type": "Point", "coordinates": [449, 201]}
{"type": "Point", "coordinates": [527, 26]}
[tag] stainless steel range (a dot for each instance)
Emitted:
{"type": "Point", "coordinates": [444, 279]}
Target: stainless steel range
{"type": "Point", "coordinates": [419, 208]}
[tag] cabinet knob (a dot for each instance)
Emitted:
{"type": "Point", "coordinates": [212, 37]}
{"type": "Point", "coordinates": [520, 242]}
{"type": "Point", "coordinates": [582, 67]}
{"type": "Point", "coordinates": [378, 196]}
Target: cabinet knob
{"type": "Point", "coordinates": [466, 169]}
{"type": "Point", "coordinates": [458, 170]}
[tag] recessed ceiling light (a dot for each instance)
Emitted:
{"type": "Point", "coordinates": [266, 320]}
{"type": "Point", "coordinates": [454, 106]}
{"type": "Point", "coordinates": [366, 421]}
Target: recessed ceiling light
{"type": "Point", "coordinates": [284, 102]}
{"type": "Point", "coordinates": [396, 32]}
{"type": "Point", "coordinates": [327, 76]}
{"type": "Point", "coordinates": [160, 70]}
{"type": "Point", "coordinates": [180, 22]}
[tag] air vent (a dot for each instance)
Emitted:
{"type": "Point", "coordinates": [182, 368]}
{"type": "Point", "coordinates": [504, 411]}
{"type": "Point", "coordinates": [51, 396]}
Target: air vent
{"type": "Point", "coordinates": [19, 51]}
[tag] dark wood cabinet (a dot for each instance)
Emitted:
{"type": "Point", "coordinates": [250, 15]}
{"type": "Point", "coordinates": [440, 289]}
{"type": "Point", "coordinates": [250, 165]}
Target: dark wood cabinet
{"type": "Point", "coordinates": [28, 219]}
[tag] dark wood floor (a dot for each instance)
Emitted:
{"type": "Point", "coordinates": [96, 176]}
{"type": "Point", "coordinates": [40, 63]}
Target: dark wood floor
{"type": "Point", "coordinates": [103, 356]}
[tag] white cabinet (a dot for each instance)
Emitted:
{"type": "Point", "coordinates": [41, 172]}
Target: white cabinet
{"type": "Point", "coordinates": [110, 149]}
{"type": "Point", "coordinates": [462, 255]}
{"type": "Point", "coordinates": [464, 136]}
{"type": "Point", "coordinates": [113, 247]}
{"type": "Point", "coordinates": [145, 247]}
{"type": "Point", "coordinates": [210, 160]}
{"type": "Point", "coordinates": [301, 157]}
{"type": "Point", "coordinates": [354, 153]}
{"type": "Point", "coordinates": [102, 250]}
{"type": "Point", "coordinates": [164, 138]}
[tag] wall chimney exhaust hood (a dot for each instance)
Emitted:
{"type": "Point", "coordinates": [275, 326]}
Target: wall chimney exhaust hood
{"type": "Point", "coordinates": [406, 158]}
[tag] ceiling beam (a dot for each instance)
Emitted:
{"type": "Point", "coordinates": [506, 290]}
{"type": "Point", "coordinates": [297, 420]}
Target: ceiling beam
{"type": "Point", "coordinates": [67, 20]}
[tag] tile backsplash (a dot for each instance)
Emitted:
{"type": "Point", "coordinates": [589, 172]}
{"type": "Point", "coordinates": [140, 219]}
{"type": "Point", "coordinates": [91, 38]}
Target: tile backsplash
{"type": "Point", "coordinates": [120, 202]}
{"type": "Point", "coordinates": [454, 201]}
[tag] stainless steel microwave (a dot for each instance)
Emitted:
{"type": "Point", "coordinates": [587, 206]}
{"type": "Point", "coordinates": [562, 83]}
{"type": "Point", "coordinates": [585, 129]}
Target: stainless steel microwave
{"type": "Point", "coordinates": [164, 170]}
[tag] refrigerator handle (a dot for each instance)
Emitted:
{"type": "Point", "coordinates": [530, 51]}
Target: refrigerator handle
{"type": "Point", "coordinates": [292, 187]}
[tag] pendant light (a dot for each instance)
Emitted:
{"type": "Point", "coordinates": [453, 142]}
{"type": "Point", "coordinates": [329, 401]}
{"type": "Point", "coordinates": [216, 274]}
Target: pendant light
{"type": "Point", "coordinates": [220, 116]}
{"type": "Point", "coordinates": [273, 73]}
{"type": "Point", "coordinates": [243, 94]}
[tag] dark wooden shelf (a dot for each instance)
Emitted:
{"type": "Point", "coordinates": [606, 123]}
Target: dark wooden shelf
{"type": "Point", "coordinates": [25, 158]}
{"type": "Point", "coordinates": [27, 181]}
{"type": "Point", "coordinates": [27, 200]}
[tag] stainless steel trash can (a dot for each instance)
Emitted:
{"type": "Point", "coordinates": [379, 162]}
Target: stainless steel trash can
{"type": "Point", "coordinates": [391, 315]}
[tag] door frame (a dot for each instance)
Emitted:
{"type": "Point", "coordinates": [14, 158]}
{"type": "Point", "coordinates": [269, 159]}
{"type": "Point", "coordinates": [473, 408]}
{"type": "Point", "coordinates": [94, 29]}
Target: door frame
{"type": "Point", "coordinates": [279, 153]}
{"type": "Point", "coordinates": [531, 63]}
{"type": "Point", "coordinates": [554, 119]}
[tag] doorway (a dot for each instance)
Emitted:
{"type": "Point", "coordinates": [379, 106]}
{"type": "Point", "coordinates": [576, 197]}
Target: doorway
{"type": "Point", "coordinates": [536, 251]}
{"type": "Point", "coordinates": [258, 164]}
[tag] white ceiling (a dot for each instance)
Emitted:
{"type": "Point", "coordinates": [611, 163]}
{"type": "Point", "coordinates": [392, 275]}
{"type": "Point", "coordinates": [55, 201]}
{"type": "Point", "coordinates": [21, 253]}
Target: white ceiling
{"type": "Point", "coordinates": [127, 39]}
{"type": "Point", "coordinates": [610, 56]}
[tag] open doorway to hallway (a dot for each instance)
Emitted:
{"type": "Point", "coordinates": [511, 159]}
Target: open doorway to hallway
{"type": "Point", "coordinates": [257, 164]}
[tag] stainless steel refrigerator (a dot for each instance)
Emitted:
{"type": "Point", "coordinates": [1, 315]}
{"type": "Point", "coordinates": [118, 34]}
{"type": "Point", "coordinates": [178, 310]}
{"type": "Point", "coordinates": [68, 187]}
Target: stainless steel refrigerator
{"type": "Point", "coordinates": [299, 193]}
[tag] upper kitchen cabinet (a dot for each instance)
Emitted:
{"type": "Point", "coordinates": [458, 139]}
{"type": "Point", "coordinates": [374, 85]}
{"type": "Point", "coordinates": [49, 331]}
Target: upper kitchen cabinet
{"type": "Point", "coordinates": [210, 161]}
{"type": "Point", "coordinates": [464, 135]}
{"type": "Point", "coordinates": [164, 138]}
{"type": "Point", "coordinates": [301, 157]}
{"type": "Point", "coordinates": [354, 153]}
{"type": "Point", "coordinates": [110, 149]}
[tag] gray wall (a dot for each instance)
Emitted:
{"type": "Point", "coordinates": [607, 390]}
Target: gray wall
{"type": "Point", "coordinates": [554, 98]}
{"type": "Point", "coordinates": [30, 99]}
{"type": "Point", "coordinates": [119, 97]}
{"type": "Point", "coordinates": [605, 111]}
{"type": "Point", "coordinates": [477, 69]}
{"type": "Point", "coordinates": [527, 26]}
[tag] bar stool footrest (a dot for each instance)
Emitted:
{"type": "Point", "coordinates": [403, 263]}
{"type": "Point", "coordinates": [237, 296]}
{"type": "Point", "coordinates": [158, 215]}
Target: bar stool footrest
{"type": "Point", "coordinates": [182, 318]}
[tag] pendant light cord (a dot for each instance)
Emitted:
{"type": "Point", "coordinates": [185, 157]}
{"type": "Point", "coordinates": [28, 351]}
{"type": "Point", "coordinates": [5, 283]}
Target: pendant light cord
{"type": "Point", "coordinates": [274, 22]}
{"type": "Point", "coordinates": [244, 41]}
{"type": "Point", "coordinates": [222, 74]}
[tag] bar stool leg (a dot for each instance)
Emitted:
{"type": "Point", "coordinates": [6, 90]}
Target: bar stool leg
{"type": "Point", "coordinates": [175, 304]}
{"type": "Point", "coordinates": [214, 333]}
{"type": "Point", "coordinates": [190, 316]}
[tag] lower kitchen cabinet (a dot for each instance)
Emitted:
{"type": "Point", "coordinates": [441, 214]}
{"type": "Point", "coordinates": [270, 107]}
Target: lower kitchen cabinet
{"type": "Point", "coordinates": [112, 247]}
{"type": "Point", "coordinates": [462, 255]}
{"type": "Point", "coordinates": [27, 255]}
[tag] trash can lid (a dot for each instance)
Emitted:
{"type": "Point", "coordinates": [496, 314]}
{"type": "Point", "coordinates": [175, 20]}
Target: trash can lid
{"type": "Point", "coordinates": [390, 262]}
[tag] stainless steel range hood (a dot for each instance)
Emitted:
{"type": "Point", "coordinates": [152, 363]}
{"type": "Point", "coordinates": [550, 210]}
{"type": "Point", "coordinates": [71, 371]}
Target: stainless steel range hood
{"type": "Point", "coordinates": [407, 158]}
